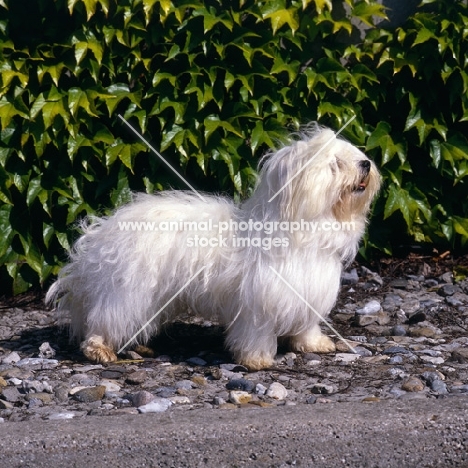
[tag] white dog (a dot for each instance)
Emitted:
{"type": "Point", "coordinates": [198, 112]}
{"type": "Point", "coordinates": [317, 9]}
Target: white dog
{"type": "Point", "coordinates": [267, 268]}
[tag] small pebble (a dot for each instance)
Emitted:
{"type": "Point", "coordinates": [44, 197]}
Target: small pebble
{"type": "Point", "coordinates": [180, 400]}
{"type": "Point", "coordinates": [90, 394]}
{"type": "Point", "coordinates": [239, 397]}
{"type": "Point", "coordinates": [413, 384]}
{"type": "Point", "coordinates": [370, 308]}
{"type": "Point", "coordinates": [399, 283]}
{"type": "Point", "coordinates": [111, 374]}
{"type": "Point", "coordinates": [158, 405]}
{"type": "Point", "coordinates": [448, 290]}
{"type": "Point", "coordinates": [432, 360]}
{"type": "Point", "coordinates": [11, 394]}
{"type": "Point", "coordinates": [111, 386]}
{"type": "Point", "coordinates": [61, 416]}
{"type": "Point", "coordinates": [439, 387]}
{"type": "Point", "coordinates": [141, 398]}
{"type": "Point", "coordinates": [46, 351]}
{"type": "Point", "coordinates": [395, 360]}
{"type": "Point", "coordinates": [196, 361]}
{"type": "Point", "coordinates": [11, 358]}
{"type": "Point", "coordinates": [277, 391]}
{"type": "Point", "coordinates": [346, 357]}
{"type": "Point", "coordinates": [447, 277]}
{"type": "Point", "coordinates": [234, 367]}
{"type": "Point", "coordinates": [137, 377]}
{"type": "Point", "coordinates": [396, 350]}
{"type": "Point", "coordinates": [39, 363]}
{"type": "Point", "coordinates": [184, 385]}
{"type": "Point", "coordinates": [322, 389]}
{"type": "Point", "coordinates": [398, 330]}
{"type": "Point", "coordinates": [241, 384]}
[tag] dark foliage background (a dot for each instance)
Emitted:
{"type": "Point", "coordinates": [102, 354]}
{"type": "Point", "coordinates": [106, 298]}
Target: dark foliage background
{"type": "Point", "coordinates": [213, 84]}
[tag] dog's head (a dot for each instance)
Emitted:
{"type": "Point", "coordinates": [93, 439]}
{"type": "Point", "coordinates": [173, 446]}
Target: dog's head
{"type": "Point", "coordinates": [320, 176]}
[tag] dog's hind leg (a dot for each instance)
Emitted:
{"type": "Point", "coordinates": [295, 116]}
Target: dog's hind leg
{"type": "Point", "coordinates": [95, 349]}
{"type": "Point", "coordinates": [312, 341]}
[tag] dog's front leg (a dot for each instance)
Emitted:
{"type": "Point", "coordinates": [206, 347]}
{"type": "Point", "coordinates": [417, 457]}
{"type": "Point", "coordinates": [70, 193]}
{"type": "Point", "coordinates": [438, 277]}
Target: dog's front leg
{"type": "Point", "coordinates": [95, 349]}
{"type": "Point", "coordinates": [252, 345]}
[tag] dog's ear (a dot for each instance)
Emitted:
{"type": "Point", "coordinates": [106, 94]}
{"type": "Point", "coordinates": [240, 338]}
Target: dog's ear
{"type": "Point", "coordinates": [308, 178]}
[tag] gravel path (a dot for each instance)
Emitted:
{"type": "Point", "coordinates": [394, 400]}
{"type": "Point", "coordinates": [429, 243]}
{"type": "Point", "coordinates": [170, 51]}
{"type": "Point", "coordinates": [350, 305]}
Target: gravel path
{"type": "Point", "coordinates": [409, 334]}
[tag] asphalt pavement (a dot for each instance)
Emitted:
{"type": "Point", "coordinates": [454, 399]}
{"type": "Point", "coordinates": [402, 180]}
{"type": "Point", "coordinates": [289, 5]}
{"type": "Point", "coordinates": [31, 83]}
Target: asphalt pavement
{"type": "Point", "coordinates": [415, 433]}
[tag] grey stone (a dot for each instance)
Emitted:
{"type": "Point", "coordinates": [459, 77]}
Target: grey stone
{"type": "Point", "coordinates": [453, 301]}
{"type": "Point", "coordinates": [418, 278]}
{"type": "Point", "coordinates": [238, 397]}
{"type": "Point", "coordinates": [233, 367]}
{"type": "Point", "coordinates": [165, 392]}
{"type": "Point", "coordinates": [90, 394]}
{"type": "Point", "coordinates": [397, 359]}
{"type": "Point", "coordinates": [61, 416]}
{"type": "Point", "coordinates": [346, 358]}
{"type": "Point", "coordinates": [358, 338]}
{"type": "Point", "coordinates": [36, 386]}
{"type": "Point", "coordinates": [438, 386]}
{"type": "Point", "coordinates": [196, 361]}
{"type": "Point", "coordinates": [431, 283]}
{"type": "Point", "coordinates": [447, 277]}
{"type": "Point", "coordinates": [41, 396]}
{"type": "Point", "coordinates": [11, 358]}
{"type": "Point", "coordinates": [112, 374]}
{"type": "Point", "coordinates": [411, 306]}
{"type": "Point", "coordinates": [371, 276]}
{"type": "Point", "coordinates": [459, 389]}
{"type": "Point", "coordinates": [217, 400]}
{"type": "Point", "coordinates": [460, 355]}
{"type": "Point", "coordinates": [184, 385]}
{"type": "Point", "coordinates": [61, 393]}
{"type": "Point", "coordinates": [137, 377]}
{"type": "Point", "coordinates": [10, 394]}
{"type": "Point", "coordinates": [448, 290]}
{"type": "Point", "coordinates": [391, 302]}
{"type": "Point", "coordinates": [46, 351]}
{"type": "Point", "coordinates": [370, 308]}
{"type": "Point", "coordinates": [38, 363]}
{"type": "Point", "coordinates": [277, 391]}
{"type": "Point", "coordinates": [141, 398]}
{"type": "Point", "coordinates": [362, 351]}
{"type": "Point", "coordinates": [399, 283]}
{"type": "Point", "coordinates": [399, 330]}
{"type": "Point", "coordinates": [323, 389]}
{"type": "Point", "coordinates": [158, 405]}
{"type": "Point", "coordinates": [311, 357]}
{"type": "Point", "coordinates": [241, 384]}
{"type": "Point", "coordinates": [396, 350]}
{"type": "Point", "coordinates": [432, 360]}
{"type": "Point", "coordinates": [413, 384]}
{"type": "Point", "coordinates": [417, 317]}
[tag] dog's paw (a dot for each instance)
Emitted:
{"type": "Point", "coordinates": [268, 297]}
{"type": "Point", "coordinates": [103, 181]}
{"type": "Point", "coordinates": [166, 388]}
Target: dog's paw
{"type": "Point", "coordinates": [314, 344]}
{"type": "Point", "coordinates": [256, 363]}
{"type": "Point", "coordinates": [96, 350]}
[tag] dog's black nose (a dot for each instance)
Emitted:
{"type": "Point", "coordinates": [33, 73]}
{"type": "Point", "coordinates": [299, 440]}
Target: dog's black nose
{"type": "Point", "coordinates": [365, 164]}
